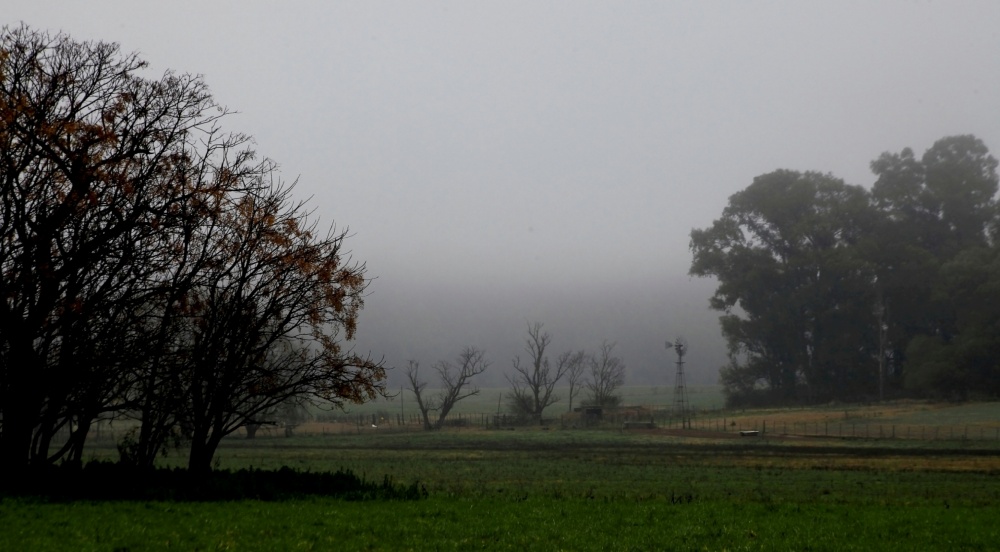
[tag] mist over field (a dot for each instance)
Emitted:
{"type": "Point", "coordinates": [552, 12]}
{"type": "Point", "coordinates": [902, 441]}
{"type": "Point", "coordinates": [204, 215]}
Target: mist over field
{"type": "Point", "coordinates": [503, 163]}
{"type": "Point", "coordinates": [443, 319]}
{"type": "Point", "coordinates": [421, 275]}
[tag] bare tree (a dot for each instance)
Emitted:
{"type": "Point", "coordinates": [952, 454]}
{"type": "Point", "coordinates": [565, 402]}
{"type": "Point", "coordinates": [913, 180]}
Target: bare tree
{"type": "Point", "coordinates": [577, 366]}
{"type": "Point", "coordinates": [607, 374]}
{"type": "Point", "coordinates": [532, 383]}
{"type": "Point", "coordinates": [424, 403]}
{"type": "Point", "coordinates": [267, 317]}
{"type": "Point", "coordinates": [454, 378]}
{"type": "Point", "coordinates": [89, 156]}
{"type": "Point", "coordinates": [152, 267]}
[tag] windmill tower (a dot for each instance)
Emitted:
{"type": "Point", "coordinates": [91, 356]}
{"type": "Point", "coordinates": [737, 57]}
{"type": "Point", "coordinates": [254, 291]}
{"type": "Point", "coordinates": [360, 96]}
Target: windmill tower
{"type": "Point", "coordinates": [681, 408]}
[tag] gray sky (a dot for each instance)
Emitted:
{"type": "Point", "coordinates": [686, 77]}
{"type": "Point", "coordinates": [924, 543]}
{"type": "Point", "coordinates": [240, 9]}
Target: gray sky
{"type": "Point", "coordinates": [499, 162]}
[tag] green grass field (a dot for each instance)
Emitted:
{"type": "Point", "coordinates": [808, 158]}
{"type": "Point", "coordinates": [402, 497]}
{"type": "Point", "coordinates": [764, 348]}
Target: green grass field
{"type": "Point", "coordinates": [504, 524]}
{"type": "Point", "coordinates": [573, 489]}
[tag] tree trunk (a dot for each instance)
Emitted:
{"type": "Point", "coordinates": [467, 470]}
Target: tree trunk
{"type": "Point", "coordinates": [252, 428]}
{"type": "Point", "coordinates": [154, 432]}
{"type": "Point", "coordinates": [15, 440]}
{"type": "Point", "coordinates": [78, 438]}
{"type": "Point", "coordinates": [427, 420]}
{"type": "Point", "coordinates": [21, 405]}
{"type": "Point", "coordinates": [204, 443]}
{"type": "Point", "coordinates": [200, 456]}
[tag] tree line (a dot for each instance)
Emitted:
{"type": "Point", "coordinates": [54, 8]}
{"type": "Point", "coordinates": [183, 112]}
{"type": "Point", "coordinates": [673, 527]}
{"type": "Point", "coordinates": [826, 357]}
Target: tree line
{"type": "Point", "coordinates": [532, 382]}
{"type": "Point", "coordinates": [832, 291]}
{"type": "Point", "coordinates": [153, 267]}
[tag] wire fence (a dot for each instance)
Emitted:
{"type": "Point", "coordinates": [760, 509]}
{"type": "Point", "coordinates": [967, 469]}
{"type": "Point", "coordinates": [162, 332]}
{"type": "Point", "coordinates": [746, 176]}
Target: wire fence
{"type": "Point", "coordinates": [699, 424]}
{"type": "Point", "coordinates": [844, 430]}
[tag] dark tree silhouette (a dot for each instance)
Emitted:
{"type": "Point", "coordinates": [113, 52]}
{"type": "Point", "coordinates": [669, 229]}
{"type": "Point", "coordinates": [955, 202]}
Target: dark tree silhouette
{"type": "Point", "coordinates": [151, 266]}
{"type": "Point", "coordinates": [532, 383]}
{"type": "Point", "coordinates": [454, 378]}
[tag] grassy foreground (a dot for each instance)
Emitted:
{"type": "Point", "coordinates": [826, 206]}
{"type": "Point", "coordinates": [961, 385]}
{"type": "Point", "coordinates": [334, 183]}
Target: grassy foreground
{"type": "Point", "coordinates": [448, 523]}
{"type": "Point", "coordinates": [565, 490]}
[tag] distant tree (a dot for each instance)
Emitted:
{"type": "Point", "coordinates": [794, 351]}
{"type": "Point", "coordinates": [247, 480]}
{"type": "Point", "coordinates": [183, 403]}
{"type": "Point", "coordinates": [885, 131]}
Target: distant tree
{"type": "Point", "coordinates": [939, 211]}
{"type": "Point", "coordinates": [964, 362]}
{"type": "Point", "coordinates": [831, 292]}
{"type": "Point", "coordinates": [533, 383]}
{"type": "Point", "coordinates": [796, 293]}
{"type": "Point", "coordinates": [577, 363]}
{"type": "Point", "coordinates": [607, 374]}
{"type": "Point", "coordinates": [424, 403]}
{"type": "Point", "coordinates": [454, 378]}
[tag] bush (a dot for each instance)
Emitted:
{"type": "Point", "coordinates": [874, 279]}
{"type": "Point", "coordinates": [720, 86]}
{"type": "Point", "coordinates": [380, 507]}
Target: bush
{"type": "Point", "coordinates": [110, 481]}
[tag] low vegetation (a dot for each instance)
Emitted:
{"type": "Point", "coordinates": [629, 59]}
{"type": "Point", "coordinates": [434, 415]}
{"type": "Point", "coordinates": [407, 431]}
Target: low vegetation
{"type": "Point", "coordinates": [568, 489]}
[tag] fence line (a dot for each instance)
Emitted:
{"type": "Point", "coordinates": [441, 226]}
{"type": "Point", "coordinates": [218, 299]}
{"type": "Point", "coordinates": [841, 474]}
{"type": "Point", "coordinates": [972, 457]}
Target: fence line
{"type": "Point", "coordinates": [662, 419]}
{"type": "Point", "coordinates": [722, 423]}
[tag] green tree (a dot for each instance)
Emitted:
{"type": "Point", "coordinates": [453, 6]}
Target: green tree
{"type": "Point", "coordinates": [965, 362]}
{"type": "Point", "coordinates": [934, 211]}
{"type": "Point", "coordinates": [796, 299]}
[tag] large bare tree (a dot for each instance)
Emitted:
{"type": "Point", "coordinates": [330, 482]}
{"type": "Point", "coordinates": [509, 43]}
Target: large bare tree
{"type": "Point", "coordinates": [268, 315]}
{"type": "Point", "coordinates": [533, 382]}
{"type": "Point", "coordinates": [151, 265]}
{"type": "Point", "coordinates": [454, 378]}
{"type": "Point", "coordinates": [425, 403]}
{"type": "Point", "coordinates": [88, 152]}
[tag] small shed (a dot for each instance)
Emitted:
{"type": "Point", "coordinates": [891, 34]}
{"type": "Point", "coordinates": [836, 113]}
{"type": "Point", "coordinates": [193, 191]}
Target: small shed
{"type": "Point", "coordinates": [592, 414]}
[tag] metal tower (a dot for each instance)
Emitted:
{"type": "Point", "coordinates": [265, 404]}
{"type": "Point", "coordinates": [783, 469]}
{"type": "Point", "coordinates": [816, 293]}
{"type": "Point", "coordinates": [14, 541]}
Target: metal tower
{"type": "Point", "coordinates": [681, 408]}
